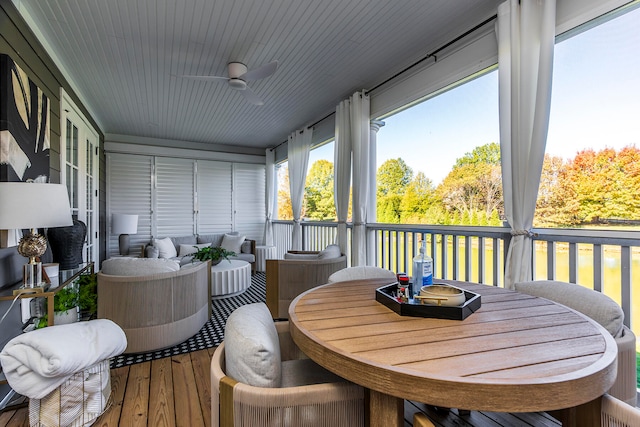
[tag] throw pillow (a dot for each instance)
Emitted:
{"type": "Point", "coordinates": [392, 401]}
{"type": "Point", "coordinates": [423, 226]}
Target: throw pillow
{"type": "Point", "coordinates": [331, 251]}
{"type": "Point", "coordinates": [151, 252]}
{"type": "Point", "coordinates": [252, 349]}
{"type": "Point", "coordinates": [592, 304]}
{"type": "Point", "coordinates": [232, 242]}
{"type": "Point", "coordinates": [165, 248]}
{"type": "Point", "coordinates": [185, 250]}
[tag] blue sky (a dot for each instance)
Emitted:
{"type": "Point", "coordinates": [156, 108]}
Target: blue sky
{"type": "Point", "coordinates": [595, 104]}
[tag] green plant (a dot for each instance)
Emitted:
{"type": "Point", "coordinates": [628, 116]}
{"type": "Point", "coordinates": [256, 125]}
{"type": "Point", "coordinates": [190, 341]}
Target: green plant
{"type": "Point", "coordinates": [88, 293]}
{"type": "Point", "coordinates": [66, 299]}
{"type": "Point", "coordinates": [213, 253]}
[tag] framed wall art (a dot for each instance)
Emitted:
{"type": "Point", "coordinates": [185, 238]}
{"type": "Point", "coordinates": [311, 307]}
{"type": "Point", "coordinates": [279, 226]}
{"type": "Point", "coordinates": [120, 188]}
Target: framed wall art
{"type": "Point", "coordinates": [24, 126]}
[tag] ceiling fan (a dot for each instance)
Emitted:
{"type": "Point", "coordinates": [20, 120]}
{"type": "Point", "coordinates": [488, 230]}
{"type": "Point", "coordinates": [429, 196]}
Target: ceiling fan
{"type": "Point", "coordinates": [239, 75]}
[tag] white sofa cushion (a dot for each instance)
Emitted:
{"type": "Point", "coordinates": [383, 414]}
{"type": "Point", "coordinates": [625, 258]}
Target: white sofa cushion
{"type": "Point", "coordinates": [593, 304]}
{"type": "Point", "coordinates": [189, 249]}
{"type": "Point", "coordinates": [138, 266]}
{"type": "Point", "coordinates": [252, 349]}
{"type": "Point", "coordinates": [232, 243]}
{"type": "Point", "coordinates": [165, 247]}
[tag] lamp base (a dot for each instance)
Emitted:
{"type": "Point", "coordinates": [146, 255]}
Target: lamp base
{"type": "Point", "coordinates": [32, 274]}
{"type": "Point", "coordinates": [123, 242]}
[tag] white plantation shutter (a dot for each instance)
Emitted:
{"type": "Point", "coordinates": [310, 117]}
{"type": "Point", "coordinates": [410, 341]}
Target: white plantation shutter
{"type": "Point", "coordinates": [248, 194]}
{"type": "Point", "coordinates": [214, 201]}
{"type": "Point", "coordinates": [174, 201]}
{"type": "Point", "coordinates": [129, 192]}
{"type": "Point", "coordinates": [176, 197]}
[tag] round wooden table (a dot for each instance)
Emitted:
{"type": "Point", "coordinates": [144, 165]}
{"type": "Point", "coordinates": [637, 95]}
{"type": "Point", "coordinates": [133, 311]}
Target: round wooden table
{"type": "Point", "coordinates": [517, 353]}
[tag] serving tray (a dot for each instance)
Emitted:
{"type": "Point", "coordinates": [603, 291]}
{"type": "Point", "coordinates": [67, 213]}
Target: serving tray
{"type": "Point", "coordinates": [386, 295]}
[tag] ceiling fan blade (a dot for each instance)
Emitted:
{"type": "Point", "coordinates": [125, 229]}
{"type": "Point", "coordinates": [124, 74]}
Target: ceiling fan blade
{"type": "Point", "coordinates": [206, 78]}
{"type": "Point", "coordinates": [261, 72]}
{"type": "Point", "coordinates": [251, 97]}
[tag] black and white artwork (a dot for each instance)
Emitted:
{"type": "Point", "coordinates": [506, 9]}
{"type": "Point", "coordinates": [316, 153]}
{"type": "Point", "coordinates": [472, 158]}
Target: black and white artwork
{"type": "Point", "coordinates": [24, 126]}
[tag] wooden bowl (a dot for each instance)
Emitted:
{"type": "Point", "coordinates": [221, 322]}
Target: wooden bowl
{"type": "Point", "coordinates": [441, 294]}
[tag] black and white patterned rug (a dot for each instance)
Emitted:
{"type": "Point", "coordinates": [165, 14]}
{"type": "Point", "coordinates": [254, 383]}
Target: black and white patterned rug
{"type": "Point", "coordinates": [212, 333]}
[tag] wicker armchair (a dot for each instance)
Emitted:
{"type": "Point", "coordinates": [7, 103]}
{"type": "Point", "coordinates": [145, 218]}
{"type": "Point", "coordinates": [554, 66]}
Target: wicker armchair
{"type": "Point", "coordinates": [288, 278]}
{"type": "Point", "coordinates": [607, 313]}
{"type": "Point", "coordinates": [301, 401]}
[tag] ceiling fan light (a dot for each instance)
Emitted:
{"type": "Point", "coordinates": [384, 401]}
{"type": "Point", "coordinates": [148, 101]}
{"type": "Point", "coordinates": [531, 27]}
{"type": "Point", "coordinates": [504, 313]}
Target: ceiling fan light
{"type": "Point", "coordinates": [237, 84]}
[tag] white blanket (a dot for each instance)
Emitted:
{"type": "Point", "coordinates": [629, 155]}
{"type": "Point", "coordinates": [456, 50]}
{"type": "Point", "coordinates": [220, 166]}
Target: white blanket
{"type": "Point", "coordinates": [37, 362]}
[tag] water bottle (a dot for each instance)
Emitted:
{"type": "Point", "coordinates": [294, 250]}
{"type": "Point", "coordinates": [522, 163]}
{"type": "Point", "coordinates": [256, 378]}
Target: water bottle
{"type": "Point", "coordinates": [422, 269]}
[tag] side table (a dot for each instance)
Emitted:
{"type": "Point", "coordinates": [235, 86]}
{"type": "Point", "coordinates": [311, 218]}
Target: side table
{"type": "Point", "coordinates": [230, 278]}
{"type": "Point", "coordinates": [263, 253]}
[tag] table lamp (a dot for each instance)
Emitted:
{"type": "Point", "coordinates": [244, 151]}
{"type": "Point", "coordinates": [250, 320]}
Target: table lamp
{"type": "Point", "coordinates": [33, 205]}
{"type": "Point", "coordinates": [124, 224]}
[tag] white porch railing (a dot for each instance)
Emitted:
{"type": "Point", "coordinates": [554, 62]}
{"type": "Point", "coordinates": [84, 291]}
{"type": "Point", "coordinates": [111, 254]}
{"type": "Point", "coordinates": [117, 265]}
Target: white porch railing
{"type": "Point", "coordinates": [606, 261]}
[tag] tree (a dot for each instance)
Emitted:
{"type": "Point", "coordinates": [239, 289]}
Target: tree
{"type": "Point", "coordinates": [392, 178]}
{"type": "Point", "coordinates": [319, 201]}
{"type": "Point", "coordinates": [486, 154]}
{"type": "Point", "coordinates": [417, 199]}
{"type": "Point", "coordinates": [473, 188]}
{"type": "Point", "coordinates": [285, 211]}
{"type": "Point", "coordinates": [552, 208]}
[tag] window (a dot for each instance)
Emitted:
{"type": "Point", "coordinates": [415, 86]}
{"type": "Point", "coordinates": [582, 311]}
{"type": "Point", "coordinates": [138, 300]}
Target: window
{"type": "Point", "coordinates": [438, 161]}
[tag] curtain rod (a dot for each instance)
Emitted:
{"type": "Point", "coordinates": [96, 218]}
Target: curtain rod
{"type": "Point", "coordinates": [432, 54]}
{"type": "Point", "coordinates": [310, 126]}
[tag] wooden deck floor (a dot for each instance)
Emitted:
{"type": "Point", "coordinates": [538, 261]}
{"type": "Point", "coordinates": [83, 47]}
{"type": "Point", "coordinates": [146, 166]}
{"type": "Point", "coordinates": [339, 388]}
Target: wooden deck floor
{"type": "Point", "coordinates": [176, 391]}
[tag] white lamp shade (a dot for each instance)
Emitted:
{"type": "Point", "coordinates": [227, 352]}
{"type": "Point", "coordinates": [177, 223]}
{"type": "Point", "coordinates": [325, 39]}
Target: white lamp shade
{"type": "Point", "coordinates": [33, 205]}
{"type": "Point", "coordinates": [124, 223]}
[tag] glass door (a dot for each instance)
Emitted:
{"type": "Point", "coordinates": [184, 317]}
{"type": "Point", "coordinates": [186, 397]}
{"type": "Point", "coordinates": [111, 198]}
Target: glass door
{"type": "Point", "coordinates": [79, 161]}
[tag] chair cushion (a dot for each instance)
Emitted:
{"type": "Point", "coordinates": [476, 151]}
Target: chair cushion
{"type": "Point", "coordinates": [593, 304]}
{"type": "Point", "coordinates": [165, 247]}
{"type": "Point", "coordinates": [232, 243]}
{"type": "Point", "coordinates": [138, 266]}
{"type": "Point", "coordinates": [361, 272]}
{"type": "Point", "coordinates": [188, 249]}
{"type": "Point", "coordinates": [310, 257]}
{"type": "Point", "coordinates": [252, 349]}
{"type": "Point", "coordinates": [331, 251]}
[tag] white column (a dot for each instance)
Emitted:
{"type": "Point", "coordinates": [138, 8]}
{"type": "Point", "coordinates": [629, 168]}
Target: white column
{"type": "Point", "coordinates": [375, 126]}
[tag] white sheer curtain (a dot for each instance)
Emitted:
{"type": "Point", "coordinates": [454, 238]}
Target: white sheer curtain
{"type": "Point", "coordinates": [360, 145]}
{"type": "Point", "coordinates": [298, 147]}
{"type": "Point", "coordinates": [271, 191]}
{"type": "Point", "coordinates": [526, 32]}
{"type": "Point", "coordinates": [342, 171]}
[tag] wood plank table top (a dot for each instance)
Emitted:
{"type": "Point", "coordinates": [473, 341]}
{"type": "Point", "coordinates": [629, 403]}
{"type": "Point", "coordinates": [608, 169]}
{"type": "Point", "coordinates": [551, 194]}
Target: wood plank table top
{"type": "Point", "coordinates": [517, 353]}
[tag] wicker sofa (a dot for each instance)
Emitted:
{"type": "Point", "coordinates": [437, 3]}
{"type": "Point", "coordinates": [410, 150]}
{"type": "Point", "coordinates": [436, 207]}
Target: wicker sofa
{"type": "Point", "coordinates": [156, 303]}
{"type": "Point", "coordinates": [184, 244]}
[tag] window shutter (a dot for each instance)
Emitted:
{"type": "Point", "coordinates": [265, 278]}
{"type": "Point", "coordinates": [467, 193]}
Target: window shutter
{"type": "Point", "coordinates": [248, 193]}
{"type": "Point", "coordinates": [214, 197]}
{"type": "Point", "coordinates": [129, 192]}
{"type": "Point", "coordinates": [174, 209]}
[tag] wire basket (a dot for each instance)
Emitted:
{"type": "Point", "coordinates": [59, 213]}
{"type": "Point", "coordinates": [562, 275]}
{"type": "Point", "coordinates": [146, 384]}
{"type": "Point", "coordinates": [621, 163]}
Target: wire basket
{"type": "Point", "coordinates": [79, 401]}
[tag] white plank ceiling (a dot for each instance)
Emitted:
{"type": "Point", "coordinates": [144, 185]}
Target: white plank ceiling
{"type": "Point", "coordinates": [127, 58]}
